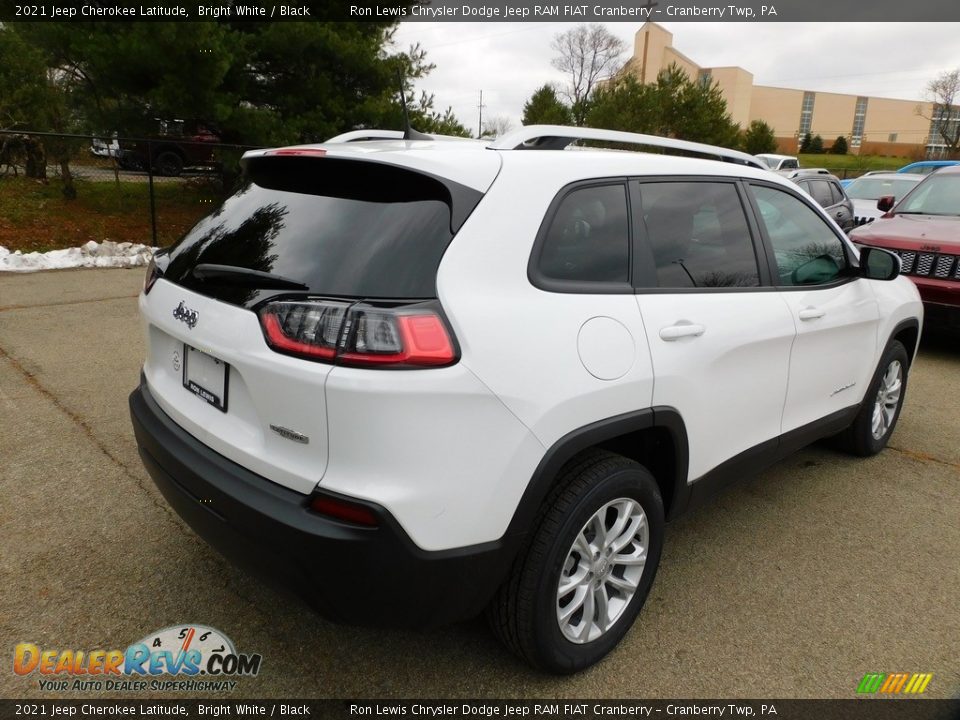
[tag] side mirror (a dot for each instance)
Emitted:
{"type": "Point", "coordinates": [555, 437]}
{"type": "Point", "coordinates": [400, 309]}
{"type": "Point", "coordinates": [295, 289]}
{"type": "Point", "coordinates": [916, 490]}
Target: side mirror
{"type": "Point", "coordinates": [878, 264]}
{"type": "Point", "coordinates": [885, 204]}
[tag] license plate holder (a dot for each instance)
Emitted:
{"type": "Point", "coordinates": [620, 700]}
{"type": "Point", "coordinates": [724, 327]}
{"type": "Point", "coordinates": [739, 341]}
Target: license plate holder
{"type": "Point", "coordinates": [206, 377]}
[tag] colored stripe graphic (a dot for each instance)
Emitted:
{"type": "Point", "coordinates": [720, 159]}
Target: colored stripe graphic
{"type": "Point", "coordinates": [918, 683]}
{"type": "Point", "coordinates": [894, 683]}
{"type": "Point", "coordinates": [871, 682]}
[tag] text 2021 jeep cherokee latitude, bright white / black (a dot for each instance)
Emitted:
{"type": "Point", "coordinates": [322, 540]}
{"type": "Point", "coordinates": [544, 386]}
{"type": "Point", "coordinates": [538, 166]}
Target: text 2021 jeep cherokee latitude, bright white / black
{"type": "Point", "coordinates": [417, 380]}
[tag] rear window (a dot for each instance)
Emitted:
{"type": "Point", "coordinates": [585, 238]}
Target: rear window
{"type": "Point", "coordinates": [342, 228]}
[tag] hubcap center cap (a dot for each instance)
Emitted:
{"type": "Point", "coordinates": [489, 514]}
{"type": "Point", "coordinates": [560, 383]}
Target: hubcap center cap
{"type": "Point", "coordinates": [601, 568]}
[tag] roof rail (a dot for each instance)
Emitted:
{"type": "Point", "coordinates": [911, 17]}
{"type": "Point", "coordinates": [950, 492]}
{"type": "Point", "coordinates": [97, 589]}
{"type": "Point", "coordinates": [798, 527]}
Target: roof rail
{"type": "Point", "coordinates": [357, 135]}
{"type": "Point", "coordinates": [557, 137]}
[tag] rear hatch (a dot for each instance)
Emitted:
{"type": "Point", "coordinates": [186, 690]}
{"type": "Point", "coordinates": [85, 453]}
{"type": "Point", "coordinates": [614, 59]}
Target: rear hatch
{"type": "Point", "coordinates": [244, 314]}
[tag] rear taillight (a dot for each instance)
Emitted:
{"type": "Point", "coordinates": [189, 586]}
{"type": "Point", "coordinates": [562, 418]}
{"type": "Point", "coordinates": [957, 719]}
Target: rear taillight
{"type": "Point", "coordinates": [360, 335]}
{"type": "Point", "coordinates": [153, 272]}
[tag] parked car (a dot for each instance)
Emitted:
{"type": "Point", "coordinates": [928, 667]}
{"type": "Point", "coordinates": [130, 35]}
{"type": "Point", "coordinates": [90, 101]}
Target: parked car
{"type": "Point", "coordinates": [828, 192]}
{"type": "Point", "coordinates": [845, 182]}
{"type": "Point", "coordinates": [779, 162]}
{"type": "Point", "coordinates": [925, 167]}
{"type": "Point", "coordinates": [923, 228]}
{"type": "Point", "coordinates": [422, 380]}
{"type": "Point", "coordinates": [178, 145]}
{"type": "Point", "coordinates": [103, 147]}
{"type": "Point", "coordinates": [866, 190]}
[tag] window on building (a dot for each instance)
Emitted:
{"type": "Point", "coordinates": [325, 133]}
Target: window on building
{"type": "Point", "coordinates": [705, 78]}
{"type": "Point", "coordinates": [859, 119]}
{"type": "Point", "coordinates": [806, 113]}
{"type": "Point", "coordinates": [892, 137]}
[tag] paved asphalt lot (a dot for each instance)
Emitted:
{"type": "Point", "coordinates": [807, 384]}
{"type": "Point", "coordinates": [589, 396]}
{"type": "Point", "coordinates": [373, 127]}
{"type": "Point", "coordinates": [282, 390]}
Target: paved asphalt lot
{"type": "Point", "coordinates": [791, 584]}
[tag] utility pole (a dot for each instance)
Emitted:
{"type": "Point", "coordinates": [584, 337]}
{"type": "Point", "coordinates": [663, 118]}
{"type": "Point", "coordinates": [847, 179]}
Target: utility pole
{"type": "Point", "coordinates": [480, 107]}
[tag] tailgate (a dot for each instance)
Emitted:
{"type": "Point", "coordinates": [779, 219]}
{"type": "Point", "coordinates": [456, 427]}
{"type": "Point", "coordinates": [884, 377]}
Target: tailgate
{"type": "Point", "coordinates": [260, 388]}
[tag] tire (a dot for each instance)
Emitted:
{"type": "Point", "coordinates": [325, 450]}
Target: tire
{"type": "Point", "coordinates": [130, 161]}
{"type": "Point", "coordinates": [875, 423]}
{"type": "Point", "coordinates": [168, 164]}
{"type": "Point", "coordinates": [550, 628]}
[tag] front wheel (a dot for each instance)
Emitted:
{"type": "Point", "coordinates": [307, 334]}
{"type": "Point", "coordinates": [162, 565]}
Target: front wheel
{"type": "Point", "coordinates": [874, 424]}
{"type": "Point", "coordinates": [576, 589]}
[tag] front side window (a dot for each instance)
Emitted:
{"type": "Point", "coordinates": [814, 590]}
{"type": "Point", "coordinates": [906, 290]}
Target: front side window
{"type": "Point", "coordinates": [836, 192]}
{"type": "Point", "coordinates": [807, 251]}
{"type": "Point", "coordinates": [696, 236]}
{"type": "Point", "coordinates": [588, 239]}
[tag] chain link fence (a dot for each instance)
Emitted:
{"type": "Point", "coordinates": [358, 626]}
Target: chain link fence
{"type": "Point", "coordinates": [59, 190]}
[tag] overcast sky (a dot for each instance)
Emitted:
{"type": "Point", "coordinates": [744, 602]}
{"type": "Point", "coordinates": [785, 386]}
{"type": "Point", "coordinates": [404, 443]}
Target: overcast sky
{"type": "Point", "coordinates": [508, 61]}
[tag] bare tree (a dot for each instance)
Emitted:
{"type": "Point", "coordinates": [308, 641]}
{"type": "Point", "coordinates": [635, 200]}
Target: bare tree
{"type": "Point", "coordinates": [496, 126]}
{"type": "Point", "coordinates": [587, 54]}
{"type": "Point", "coordinates": [943, 93]}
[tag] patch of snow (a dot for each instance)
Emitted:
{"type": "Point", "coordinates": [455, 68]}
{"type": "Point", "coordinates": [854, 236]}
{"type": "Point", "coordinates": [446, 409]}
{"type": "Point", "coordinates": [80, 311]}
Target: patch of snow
{"type": "Point", "coordinates": [92, 254]}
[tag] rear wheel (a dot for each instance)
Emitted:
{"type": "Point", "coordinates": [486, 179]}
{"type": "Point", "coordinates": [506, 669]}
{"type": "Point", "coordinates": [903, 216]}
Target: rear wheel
{"type": "Point", "coordinates": [169, 164]}
{"type": "Point", "coordinates": [576, 589]}
{"type": "Point", "coordinates": [874, 424]}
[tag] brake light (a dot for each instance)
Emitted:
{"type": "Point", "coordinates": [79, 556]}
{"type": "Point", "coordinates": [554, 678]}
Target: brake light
{"type": "Point", "coordinates": [359, 335]}
{"type": "Point", "coordinates": [308, 330]}
{"type": "Point", "coordinates": [316, 152]}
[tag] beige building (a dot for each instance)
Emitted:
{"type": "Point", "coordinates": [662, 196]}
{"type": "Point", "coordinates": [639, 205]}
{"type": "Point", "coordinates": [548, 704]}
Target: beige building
{"type": "Point", "coordinates": [871, 125]}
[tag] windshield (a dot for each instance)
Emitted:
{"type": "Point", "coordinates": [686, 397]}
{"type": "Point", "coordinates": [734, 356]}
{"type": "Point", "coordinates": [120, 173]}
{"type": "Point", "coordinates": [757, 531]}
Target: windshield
{"type": "Point", "coordinates": [937, 195]}
{"type": "Point", "coordinates": [768, 161]}
{"type": "Point", "coordinates": [871, 188]}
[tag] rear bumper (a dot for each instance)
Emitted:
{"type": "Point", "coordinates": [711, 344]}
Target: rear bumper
{"type": "Point", "coordinates": [369, 576]}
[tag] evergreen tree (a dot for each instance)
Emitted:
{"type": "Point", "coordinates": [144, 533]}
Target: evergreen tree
{"type": "Point", "coordinates": [758, 138]}
{"type": "Point", "coordinates": [545, 108]}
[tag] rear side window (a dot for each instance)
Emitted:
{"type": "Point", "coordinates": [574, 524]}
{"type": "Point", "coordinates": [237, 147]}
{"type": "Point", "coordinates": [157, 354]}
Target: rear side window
{"type": "Point", "coordinates": [696, 236]}
{"type": "Point", "coordinates": [342, 228]}
{"type": "Point", "coordinates": [588, 238]}
{"type": "Point", "coordinates": [820, 191]}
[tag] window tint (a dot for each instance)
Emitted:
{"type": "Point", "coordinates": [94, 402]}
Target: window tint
{"type": "Point", "coordinates": [697, 236]}
{"type": "Point", "coordinates": [342, 228]}
{"type": "Point", "coordinates": [589, 239]}
{"type": "Point", "coordinates": [807, 251]}
{"type": "Point", "coordinates": [836, 192]}
{"type": "Point", "coordinates": [790, 165]}
{"type": "Point", "coordinates": [820, 191]}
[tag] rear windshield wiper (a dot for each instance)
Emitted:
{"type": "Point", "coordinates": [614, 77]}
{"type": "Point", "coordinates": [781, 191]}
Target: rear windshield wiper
{"type": "Point", "coordinates": [233, 275]}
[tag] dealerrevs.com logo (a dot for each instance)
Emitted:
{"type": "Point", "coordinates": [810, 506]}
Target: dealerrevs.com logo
{"type": "Point", "coordinates": [187, 657]}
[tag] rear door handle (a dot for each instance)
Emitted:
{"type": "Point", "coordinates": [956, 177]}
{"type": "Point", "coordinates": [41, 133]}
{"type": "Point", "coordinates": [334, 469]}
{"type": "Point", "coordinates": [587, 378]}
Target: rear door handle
{"type": "Point", "coordinates": [675, 332]}
{"type": "Point", "coordinates": [812, 313]}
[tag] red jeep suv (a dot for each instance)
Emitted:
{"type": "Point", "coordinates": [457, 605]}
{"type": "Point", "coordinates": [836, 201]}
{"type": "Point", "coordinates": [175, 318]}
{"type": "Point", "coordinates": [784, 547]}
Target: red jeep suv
{"type": "Point", "coordinates": [923, 228]}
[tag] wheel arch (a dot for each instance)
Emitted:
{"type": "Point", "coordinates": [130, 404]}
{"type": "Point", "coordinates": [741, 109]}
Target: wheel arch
{"type": "Point", "coordinates": [655, 437]}
{"type": "Point", "coordinates": [908, 333]}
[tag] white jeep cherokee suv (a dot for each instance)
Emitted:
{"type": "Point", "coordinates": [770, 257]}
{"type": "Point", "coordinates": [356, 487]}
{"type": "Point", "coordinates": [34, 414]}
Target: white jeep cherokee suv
{"type": "Point", "coordinates": [417, 380]}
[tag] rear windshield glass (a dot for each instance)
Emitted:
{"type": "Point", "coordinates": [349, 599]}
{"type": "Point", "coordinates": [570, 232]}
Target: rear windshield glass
{"type": "Point", "coordinates": [341, 228]}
